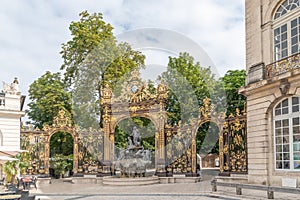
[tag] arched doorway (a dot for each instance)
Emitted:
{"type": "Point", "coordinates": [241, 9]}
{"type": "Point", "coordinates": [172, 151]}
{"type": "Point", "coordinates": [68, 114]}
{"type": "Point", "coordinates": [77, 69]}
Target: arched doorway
{"type": "Point", "coordinates": [61, 154]}
{"type": "Point", "coordinates": [136, 100]}
{"type": "Point", "coordinates": [207, 145]}
{"type": "Point", "coordinates": [61, 125]}
{"type": "Point", "coordinates": [38, 143]}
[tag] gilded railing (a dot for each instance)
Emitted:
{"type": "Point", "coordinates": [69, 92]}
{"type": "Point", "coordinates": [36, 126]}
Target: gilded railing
{"type": "Point", "coordinates": [284, 65]}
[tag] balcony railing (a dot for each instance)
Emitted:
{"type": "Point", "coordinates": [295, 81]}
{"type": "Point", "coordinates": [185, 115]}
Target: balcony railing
{"type": "Point", "coordinates": [282, 66]}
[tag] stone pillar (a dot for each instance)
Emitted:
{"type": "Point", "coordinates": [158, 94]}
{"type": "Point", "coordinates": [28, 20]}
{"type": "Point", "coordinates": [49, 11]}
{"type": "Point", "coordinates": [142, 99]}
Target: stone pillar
{"type": "Point", "coordinates": [161, 162]}
{"type": "Point", "coordinates": [47, 155]}
{"type": "Point", "coordinates": [105, 102]}
{"type": "Point", "coordinates": [75, 155]}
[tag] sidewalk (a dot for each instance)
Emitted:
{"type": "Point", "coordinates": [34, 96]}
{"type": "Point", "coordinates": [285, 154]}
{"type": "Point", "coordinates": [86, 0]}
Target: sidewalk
{"type": "Point", "coordinates": [201, 190]}
{"type": "Point", "coordinates": [59, 190]}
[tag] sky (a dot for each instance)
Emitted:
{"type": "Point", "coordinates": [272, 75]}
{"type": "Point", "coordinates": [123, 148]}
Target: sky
{"type": "Point", "coordinates": [32, 31]}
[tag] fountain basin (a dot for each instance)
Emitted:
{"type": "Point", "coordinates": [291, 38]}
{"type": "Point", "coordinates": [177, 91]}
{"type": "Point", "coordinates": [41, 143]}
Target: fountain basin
{"type": "Point", "coordinates": [137, 181]}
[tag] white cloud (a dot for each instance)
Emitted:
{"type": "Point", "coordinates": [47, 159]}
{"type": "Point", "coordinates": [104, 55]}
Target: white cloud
{"type": "Point", "coordinates": [32, 31]}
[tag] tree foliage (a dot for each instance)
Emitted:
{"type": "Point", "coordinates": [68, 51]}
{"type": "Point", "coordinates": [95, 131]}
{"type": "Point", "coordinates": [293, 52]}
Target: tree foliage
{"type": "Point", "coordinates": [61, 164]}
{"type": "Point", "coordinates": [48, 95]}
{"type": "Point", "coordinates": [232, 81]}
{"type": "Point", "coordinates": [189, 84]}
{"type": "Point", "coordinates": [93, 58]}
{"type": "Point", "coordinates": [87, 34]}
{"type": "Point", "coordinates": [11, 171]}
{"type": "Point", "coordinates": [226, 94]}
{"type": "Point", "coordinates": [61, 143]}
{"type": "Point", "coordinates": [12, 168]}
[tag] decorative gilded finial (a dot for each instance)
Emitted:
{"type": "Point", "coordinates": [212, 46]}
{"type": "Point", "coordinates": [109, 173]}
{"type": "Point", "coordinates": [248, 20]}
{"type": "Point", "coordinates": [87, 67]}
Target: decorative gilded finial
{"type": "Point", "coordinates": [207, 108]}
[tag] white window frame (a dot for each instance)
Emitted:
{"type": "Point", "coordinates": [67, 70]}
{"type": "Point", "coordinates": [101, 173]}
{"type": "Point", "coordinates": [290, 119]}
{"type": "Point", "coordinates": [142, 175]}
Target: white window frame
{"type": "Point", "coordinates": [290, 115]}
{"type": "Point", "coordinates": [280, 21]}
{"type": "Point", "coordinates": [289, 3]}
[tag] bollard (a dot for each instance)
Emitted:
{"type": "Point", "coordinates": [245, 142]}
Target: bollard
{"type": "Point", "coordinates": [270, 194]}
{"type": "Point", "coordinates": [214, 185]}
{"type": "Point", "coordinates": [238, 190]}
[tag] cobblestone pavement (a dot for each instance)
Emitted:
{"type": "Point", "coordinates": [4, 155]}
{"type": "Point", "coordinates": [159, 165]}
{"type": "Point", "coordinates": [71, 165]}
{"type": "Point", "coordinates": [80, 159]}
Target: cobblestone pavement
{"type": "Point", "coordinates": [178, 191]}
{"type": "Point", "coordinates": [191, 191]}
{"type": "Point", "coordinates": [70, 191]}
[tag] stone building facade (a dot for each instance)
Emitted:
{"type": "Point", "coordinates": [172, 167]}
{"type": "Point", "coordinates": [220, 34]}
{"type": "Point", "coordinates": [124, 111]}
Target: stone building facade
{"type": "Point", "coordinates": [11, 105]}
{"type": "Point", "coordinates": [273, 91]}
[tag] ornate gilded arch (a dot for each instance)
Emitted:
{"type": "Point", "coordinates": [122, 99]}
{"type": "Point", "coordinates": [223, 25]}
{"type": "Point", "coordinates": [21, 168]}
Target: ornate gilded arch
{"type": "Point", "coordinates": [206, 114]}
{"type": "Point", "coordinates": [136, 99]}
{"type": "Point", "coordinates": [60, 123]}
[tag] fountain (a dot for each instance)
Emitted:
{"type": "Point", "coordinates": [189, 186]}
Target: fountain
{"type": "Point", "coordinates": [131, 164]}
{"type": "Point", "coordinates": [134, 160]}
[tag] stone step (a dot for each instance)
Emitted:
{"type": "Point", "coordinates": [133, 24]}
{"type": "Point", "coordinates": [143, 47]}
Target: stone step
{"type": "Point", "coordinates": [114, 181]}
{"type": "Point", "coordinates": [233, 179]}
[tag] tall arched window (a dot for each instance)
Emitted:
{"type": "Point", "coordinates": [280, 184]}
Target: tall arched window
{"type": "Point", "coordinates": [285, 7]}
{"type": "Point", "coordinates": [287, 29]}
{"type": "Point", "coordinates": [287, 134]}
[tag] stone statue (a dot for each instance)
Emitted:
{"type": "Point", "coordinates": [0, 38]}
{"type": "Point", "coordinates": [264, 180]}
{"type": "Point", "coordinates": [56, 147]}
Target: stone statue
{"type": "Point", "coordinates": [140, 152]}
{"type": "Point", "coordinates": [136, 136]}
{"type": "Point", "coordinates": [6, 87]}
{"type": "Point", "coordinates": [130, 144]}
{"type": "Point", "coordinates": [134, 160]}
{"type": "Point", "coordinates": [15, 85]}
{"type": "Point", "coordinates": [148, 155]}
{"type": "Point", "coordinates": [13, 88]}
{"type": "Point", "coordinates": [121, 154]}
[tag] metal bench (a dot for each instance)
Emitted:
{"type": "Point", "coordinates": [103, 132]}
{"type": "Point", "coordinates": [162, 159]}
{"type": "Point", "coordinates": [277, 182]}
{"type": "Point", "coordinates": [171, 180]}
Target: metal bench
{"type": "Point", "coordinates": [270, 189]}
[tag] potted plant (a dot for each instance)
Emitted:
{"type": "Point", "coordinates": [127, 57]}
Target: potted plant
{"type": "Point", "coordinates": [11, 171]}
{"type": "Point", "coordinates": [60, 164]}
{"type": "Point", "coordinates": [13, 168]}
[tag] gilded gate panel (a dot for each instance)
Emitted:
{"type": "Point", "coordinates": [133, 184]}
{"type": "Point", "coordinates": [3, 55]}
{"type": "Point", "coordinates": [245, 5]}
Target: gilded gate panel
{"type": "Point", "coordinates": [179, 155]}
{"type": "Point", "coordinates": [233, 140]}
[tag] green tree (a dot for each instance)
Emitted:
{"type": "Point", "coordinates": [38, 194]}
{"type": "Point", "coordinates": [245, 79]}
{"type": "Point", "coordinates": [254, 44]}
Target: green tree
{"type": "Point", "coordinates": [87, 34]}
{"type": "Point", "coordinates": [48, 95]}
{"type": "Point", "coordinates": [61, 164]}
{"type": "Point", "coordinates": [23, 162]}
{"type": "Point", "coordinates": [61, 143]}
{"type": "Point", "coordinates": [12, 168]}
{"type": "Point", "coordinates": [189, 84]}
{"type": "Point", "coordinates": [91, 59]}
{"type": "Point", "coordinates": [227, 98]}
{"type": "Point", "coordinates": [232, 81]}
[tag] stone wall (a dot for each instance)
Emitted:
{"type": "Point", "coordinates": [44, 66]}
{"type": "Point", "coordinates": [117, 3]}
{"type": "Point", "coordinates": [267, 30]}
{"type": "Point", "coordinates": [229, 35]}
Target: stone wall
{"type": "Point", "coordinates": [259, 15]}
{"type": "Point", "coordinates": [262, 95]}
{"type": "Point", "coordinates": [10, 114]}
{"type": "Point", "coordinates": [261, 99]}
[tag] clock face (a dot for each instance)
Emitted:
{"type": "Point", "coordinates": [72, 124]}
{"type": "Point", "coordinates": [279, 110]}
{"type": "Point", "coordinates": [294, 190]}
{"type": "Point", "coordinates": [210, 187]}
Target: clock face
{"type": "Point", "coordinates": [134, 88]}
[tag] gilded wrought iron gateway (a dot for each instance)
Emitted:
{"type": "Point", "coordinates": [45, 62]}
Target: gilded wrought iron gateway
{"type": "Point", "coordinates": [175, 146]}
